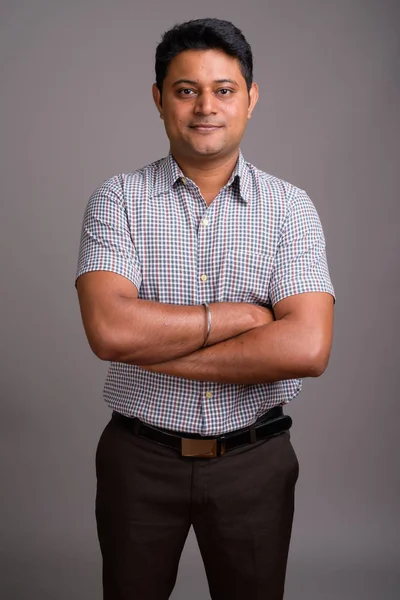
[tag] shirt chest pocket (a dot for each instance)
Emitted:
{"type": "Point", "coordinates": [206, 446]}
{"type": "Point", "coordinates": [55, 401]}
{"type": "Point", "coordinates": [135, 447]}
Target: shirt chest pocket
{"type": "Point", "coordinates": [245, 277]}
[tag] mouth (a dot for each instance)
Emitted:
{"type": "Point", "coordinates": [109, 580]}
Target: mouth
{"type": "Point", "coordinates": [205, 128]}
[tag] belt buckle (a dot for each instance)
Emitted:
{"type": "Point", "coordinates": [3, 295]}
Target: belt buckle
{"type": "Point", "coordinates": [201, 448]}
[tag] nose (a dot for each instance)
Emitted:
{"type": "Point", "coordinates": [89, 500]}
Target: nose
{"type": "Point", "coordinates": [205, 104]}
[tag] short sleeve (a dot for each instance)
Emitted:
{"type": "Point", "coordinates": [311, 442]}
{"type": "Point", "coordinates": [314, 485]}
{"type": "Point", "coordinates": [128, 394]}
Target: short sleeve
{"type": "Point", "coordinates": [300, 263]}
{"type": "Point", "coordinates": [106, 242]}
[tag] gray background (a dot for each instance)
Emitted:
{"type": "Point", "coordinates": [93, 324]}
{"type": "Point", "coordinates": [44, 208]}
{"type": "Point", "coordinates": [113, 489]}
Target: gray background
{"type": "Point", "coordinates": [76, 108]}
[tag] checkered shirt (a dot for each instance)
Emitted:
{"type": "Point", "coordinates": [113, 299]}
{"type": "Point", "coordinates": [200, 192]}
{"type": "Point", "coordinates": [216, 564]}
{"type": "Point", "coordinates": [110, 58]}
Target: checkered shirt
{"type": "Point", "coordinates": [259, 241]}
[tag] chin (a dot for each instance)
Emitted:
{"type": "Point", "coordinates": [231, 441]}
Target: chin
{"type": "Point", "coordinates": [208, 151]}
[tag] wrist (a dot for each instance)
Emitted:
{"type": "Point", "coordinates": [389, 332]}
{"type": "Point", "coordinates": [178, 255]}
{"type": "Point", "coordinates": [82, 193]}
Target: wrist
{"type": "Point", "coordinates": [208, 323]}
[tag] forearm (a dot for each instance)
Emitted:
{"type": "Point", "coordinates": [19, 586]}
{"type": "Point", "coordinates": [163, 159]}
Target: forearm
{"type": "Point", "coordinates": [142, 332]}
{"type": "Point", "coordinates": [277, 351]}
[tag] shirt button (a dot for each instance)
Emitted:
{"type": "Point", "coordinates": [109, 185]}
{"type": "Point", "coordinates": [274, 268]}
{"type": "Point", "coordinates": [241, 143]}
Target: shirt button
{"type": "Point", "coordinates": [204, 277]}
{"type": "Point", "coordinates": [184, 181]}
{"type": "Point", "coordinates": [205, 222]}
{"type": "Point", "coordinates": [209, 395]}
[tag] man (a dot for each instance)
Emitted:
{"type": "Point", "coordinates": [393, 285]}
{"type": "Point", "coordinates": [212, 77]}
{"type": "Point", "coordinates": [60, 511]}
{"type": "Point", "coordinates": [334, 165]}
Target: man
{"type": "Point", "coordinates": [204, 281]}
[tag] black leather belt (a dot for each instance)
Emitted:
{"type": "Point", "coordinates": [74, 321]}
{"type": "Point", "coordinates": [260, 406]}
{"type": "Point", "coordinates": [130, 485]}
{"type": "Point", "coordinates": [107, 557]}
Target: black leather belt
{"type": "Point", "coordinates": [271, 423]}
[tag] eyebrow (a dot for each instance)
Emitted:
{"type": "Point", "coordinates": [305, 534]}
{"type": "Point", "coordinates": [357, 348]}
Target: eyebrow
{"type": "Point", "coordinates": [193, 82]}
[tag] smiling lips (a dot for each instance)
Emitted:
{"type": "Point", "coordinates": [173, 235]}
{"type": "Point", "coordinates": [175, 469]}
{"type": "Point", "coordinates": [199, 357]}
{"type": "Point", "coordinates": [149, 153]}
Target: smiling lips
{"type": "Point", "coordinates": [205, 127]}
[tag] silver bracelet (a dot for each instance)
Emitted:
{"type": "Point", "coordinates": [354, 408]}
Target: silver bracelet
{"type": "Point", "coordinates": [208, 313]}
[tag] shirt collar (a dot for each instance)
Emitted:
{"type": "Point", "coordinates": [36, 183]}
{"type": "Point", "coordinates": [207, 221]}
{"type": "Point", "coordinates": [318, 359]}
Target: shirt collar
{"type": "Point", "coordinates": [241, 173]}
{"type": "Point", "coordinates": [169, 173]}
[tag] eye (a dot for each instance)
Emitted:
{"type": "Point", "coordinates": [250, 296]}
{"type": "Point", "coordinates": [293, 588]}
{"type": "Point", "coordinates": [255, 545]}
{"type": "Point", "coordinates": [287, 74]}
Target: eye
{"type": "Point", "coordinates": [225, 91]}
{"type": "Point", "coordinates": [185, 92]}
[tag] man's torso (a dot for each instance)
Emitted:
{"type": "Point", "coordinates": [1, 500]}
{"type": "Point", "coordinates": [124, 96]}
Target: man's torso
{"type": "Point", "coordinates": [183, 251]}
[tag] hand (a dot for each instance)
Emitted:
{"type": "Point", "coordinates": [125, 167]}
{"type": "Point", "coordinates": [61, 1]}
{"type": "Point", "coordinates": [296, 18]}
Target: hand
{"type": "Point", "coordinates": [230, 319]}
{"type": "Point", "coordinates": [262, 315]}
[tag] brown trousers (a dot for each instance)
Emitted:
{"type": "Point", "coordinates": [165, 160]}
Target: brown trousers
{"type": "Point", "coordinates": [240, 505]}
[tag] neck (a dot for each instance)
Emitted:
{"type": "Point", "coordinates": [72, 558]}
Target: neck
{"type": "Point", "coordinates": [209, 176]}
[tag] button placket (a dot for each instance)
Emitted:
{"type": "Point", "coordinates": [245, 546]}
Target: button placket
{"type": "Point", "coordinates": [203, 245]}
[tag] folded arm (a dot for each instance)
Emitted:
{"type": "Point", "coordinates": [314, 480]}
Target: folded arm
{"type": "Point", "coordinates": [296, 344]}
{"type": "Point", "coordinates": [121, 327]}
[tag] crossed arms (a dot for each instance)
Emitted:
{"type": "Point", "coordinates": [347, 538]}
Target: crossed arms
{"type": "Point", "coordinates": [248, 344]}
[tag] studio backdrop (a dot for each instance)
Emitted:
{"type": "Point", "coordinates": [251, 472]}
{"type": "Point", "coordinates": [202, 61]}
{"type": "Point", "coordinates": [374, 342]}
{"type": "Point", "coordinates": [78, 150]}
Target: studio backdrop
{"type": "Point", "coordinates": [76, 108]}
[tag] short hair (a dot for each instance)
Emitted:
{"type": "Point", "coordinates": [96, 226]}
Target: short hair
{"type": "Point", "coordinates": [204, 34]}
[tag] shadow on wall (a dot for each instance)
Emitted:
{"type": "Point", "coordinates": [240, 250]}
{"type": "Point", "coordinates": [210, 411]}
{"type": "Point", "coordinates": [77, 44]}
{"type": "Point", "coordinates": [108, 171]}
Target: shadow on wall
{"type": "Point", "coordinates": [49, 574]}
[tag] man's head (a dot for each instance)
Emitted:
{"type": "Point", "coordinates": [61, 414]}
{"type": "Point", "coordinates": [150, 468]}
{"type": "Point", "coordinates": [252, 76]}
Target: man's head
{"type": "Point", "coordinates": [204, 87]}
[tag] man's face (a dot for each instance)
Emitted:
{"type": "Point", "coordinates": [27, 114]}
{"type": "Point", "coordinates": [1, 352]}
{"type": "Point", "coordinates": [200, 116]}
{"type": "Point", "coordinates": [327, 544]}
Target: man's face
{"type": "Point", "coordinates": [205, 104]}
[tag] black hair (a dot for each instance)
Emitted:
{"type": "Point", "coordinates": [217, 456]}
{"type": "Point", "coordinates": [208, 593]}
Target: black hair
{"type": "Point", "coordinates": [204, 34]}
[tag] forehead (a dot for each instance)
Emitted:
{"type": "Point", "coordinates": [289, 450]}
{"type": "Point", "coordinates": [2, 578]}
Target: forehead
{"type": "Point", "coordinates": [204, 66]}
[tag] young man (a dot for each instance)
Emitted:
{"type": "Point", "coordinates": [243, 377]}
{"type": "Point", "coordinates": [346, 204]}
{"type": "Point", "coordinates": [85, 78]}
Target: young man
{"type": "Point", "coordinates": [204, 281]}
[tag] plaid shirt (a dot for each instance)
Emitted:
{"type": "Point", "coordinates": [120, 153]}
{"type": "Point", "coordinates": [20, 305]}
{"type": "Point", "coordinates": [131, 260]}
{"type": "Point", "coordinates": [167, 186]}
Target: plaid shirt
{"type": "Point", "coordinates": [259, 241]}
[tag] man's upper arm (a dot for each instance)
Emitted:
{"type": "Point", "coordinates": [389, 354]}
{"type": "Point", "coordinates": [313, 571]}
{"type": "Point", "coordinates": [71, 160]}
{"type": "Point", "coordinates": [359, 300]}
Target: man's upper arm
{"type": "Point", "coordinates": [312, 313]}
{"type": "Point", "coordinates": [106, 243]}
{"type": "Point", "coordinates": [108, 266]}
{"type": "Point", "coordinates": [301, 290]}
{"type": "Point", "coordinates": [99, 293]}
{"type": "Point", "coordinates": [300, 262]}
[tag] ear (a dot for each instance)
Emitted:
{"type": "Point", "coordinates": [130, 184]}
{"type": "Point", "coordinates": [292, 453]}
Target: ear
{"type": "Point", "coordinates": [157, 99]}
{"type": "Point", "coordinates": [253, 97]}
